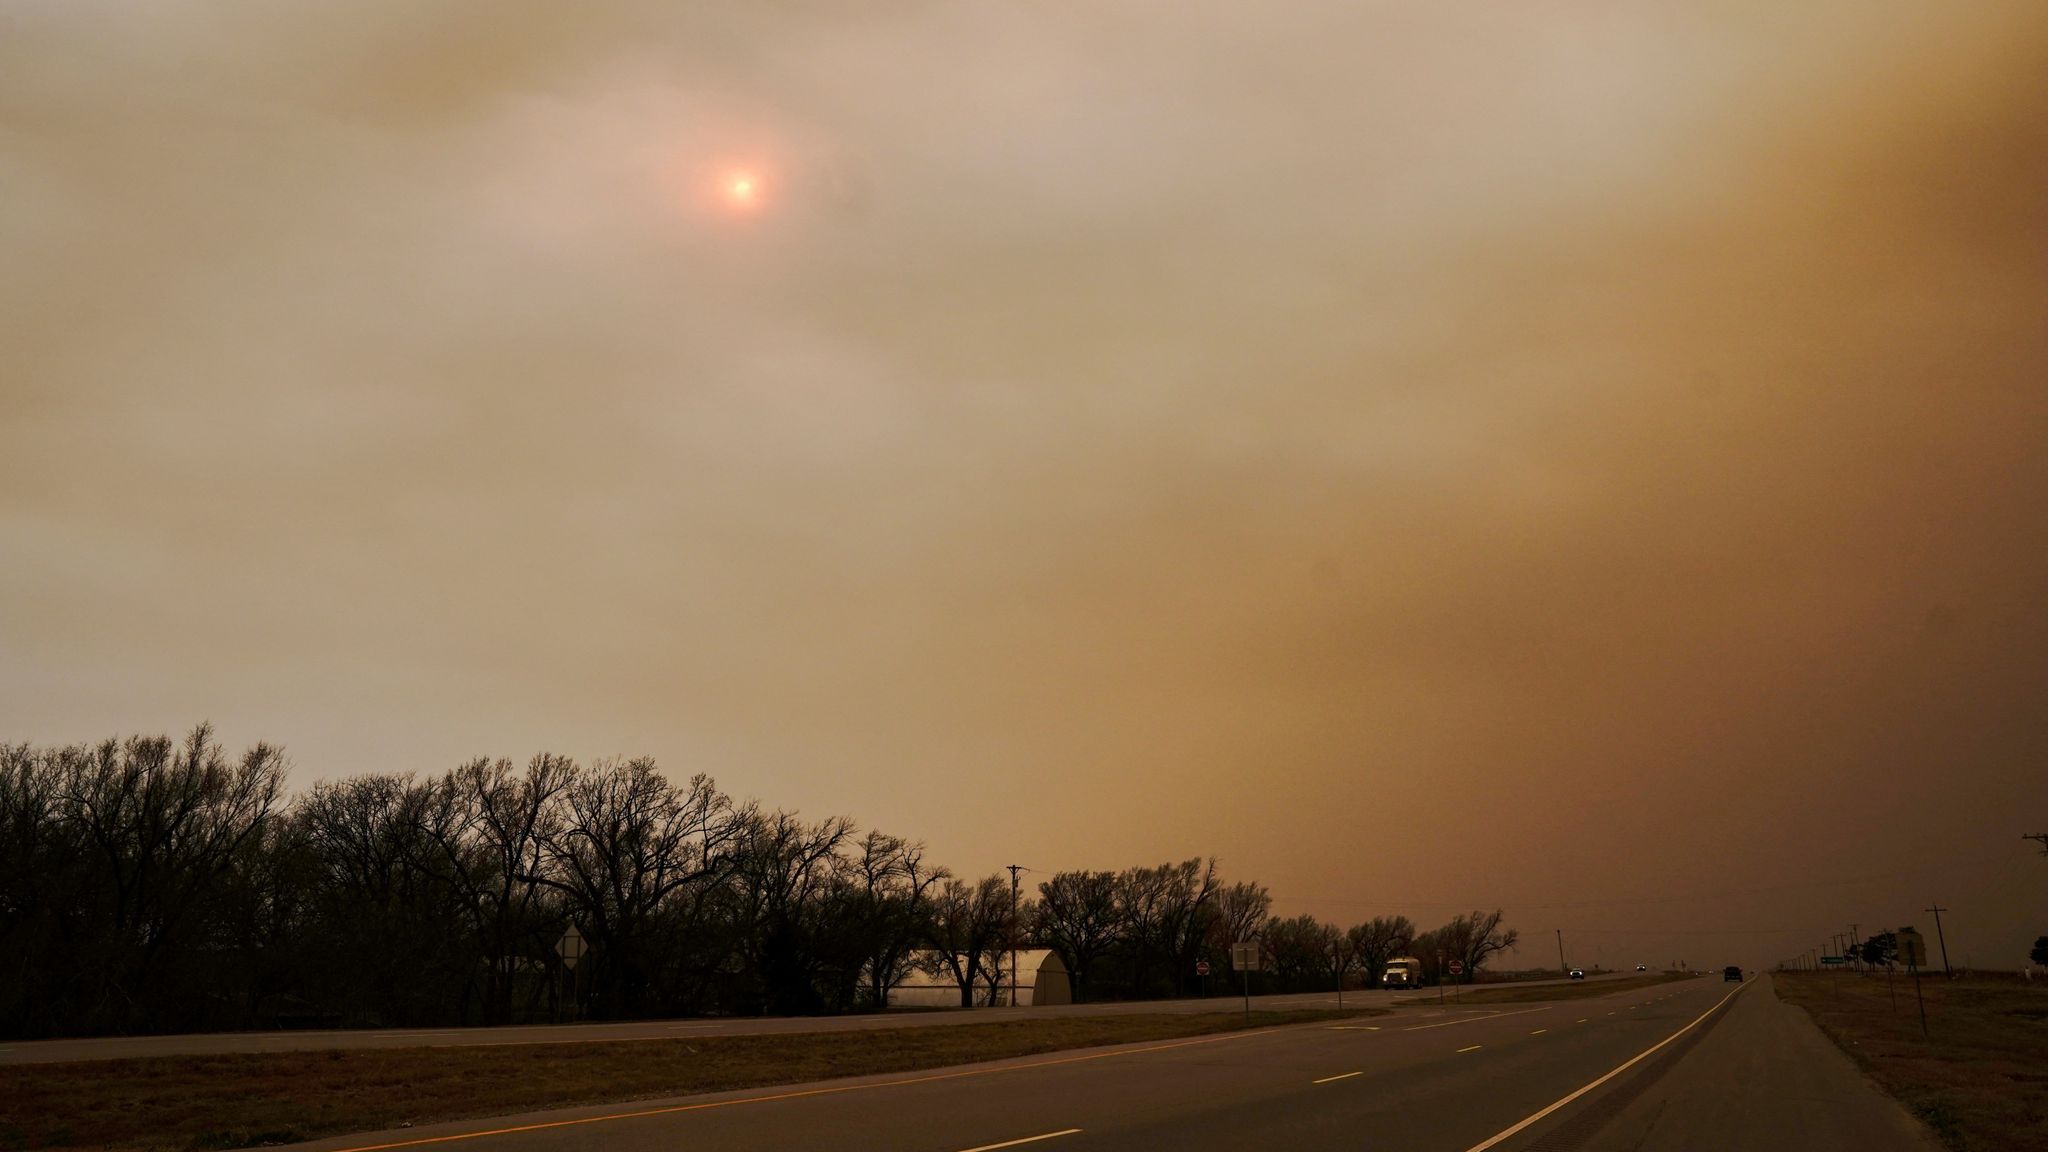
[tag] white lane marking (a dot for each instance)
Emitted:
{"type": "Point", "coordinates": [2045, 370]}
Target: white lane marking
{"type": "Point", "coordinates": [1328, 1079]}
{"type": "Point", "coordinates": [1333, 1028]}
{"type": "Point", "coordinates": [1539, 1032]}
{"type": "Point", "coordinates": [1474, 1048]}
{"type": "Point", "coordinates": [1580, 1020]}
{"type": "Point", "coordinates": [1470, 1019]}
{"type": "Point", "coordinates": [1025, 1140]}
{"type": "Point", "coordinates": [1631, 1062]}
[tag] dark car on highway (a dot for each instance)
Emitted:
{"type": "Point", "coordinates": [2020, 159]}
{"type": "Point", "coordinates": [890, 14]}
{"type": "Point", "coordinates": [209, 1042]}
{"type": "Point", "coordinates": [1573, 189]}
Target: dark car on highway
{"type": "Point", "coordinates": [1730, 973]}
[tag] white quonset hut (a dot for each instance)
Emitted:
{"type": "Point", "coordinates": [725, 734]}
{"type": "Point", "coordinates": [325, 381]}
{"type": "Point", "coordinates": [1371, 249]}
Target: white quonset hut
{"type": "Point", "coordinates": [1041, 979]}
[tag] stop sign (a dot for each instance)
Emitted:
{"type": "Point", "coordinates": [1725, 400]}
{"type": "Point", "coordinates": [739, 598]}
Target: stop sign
{"type": "Point", "coordinates": [1457, 967]}
{"type": "Point", "coordinates": [1201, 967]}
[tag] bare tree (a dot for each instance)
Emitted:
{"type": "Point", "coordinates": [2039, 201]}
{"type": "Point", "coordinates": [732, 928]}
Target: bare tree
{"type": "Point", "coordinates": [1241, 908]}
{"type": "Point", "coordinates": [1078, 917]}
{"type": "Point", "coordinates": [782, 866]}
{"type": "Point", "coordinates": [967, 931]}
{"type": "Point", "coordinates": [490, 828]}
{"type": "Point", "coordinates": [1379, 940]}
{"type": "Point", "coordinates": [163, 823]}
{"type": "Point", "coordinates": [1303, 951]}
{"type": "Point", "coordinates": [893, 909]}
{"type": "Point", "coordinates": [1475, 938]}
{"type": "Point", "coordinates": [1187, 915]}
{"type": "Point", "coordinates": [630, 840]}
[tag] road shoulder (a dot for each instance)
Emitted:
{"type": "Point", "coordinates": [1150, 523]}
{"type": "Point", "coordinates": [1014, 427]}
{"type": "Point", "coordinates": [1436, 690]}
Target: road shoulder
{"type": "Point", "coordinates": [1763, 1077]}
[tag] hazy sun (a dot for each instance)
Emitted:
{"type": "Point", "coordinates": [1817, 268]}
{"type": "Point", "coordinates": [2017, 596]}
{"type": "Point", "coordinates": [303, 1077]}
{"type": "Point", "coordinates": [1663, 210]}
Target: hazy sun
{"type": "Point", "coordinates": [743, 191]}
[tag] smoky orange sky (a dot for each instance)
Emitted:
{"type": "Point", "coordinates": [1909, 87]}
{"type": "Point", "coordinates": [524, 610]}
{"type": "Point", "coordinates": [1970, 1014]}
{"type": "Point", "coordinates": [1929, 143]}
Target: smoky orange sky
{"type": "Point", "coordinates": [1583, 458]}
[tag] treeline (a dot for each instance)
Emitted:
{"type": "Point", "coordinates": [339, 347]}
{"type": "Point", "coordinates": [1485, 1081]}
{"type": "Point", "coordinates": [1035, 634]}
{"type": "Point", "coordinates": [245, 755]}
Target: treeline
{"type": "Point", "coordinates": [158, 885]}
{"type": "Point", "coordinates": [1142, 932]}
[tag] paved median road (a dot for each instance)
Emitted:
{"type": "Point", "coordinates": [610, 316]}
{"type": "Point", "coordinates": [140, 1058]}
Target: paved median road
{"type": "Point", "coordinates": [1461, 1080]}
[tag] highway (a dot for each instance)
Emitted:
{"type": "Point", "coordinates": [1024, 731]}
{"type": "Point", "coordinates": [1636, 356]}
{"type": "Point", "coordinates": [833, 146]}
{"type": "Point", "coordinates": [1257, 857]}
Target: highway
{"type": "Point", "coordinates": [1690, 1065]}
{"type": "Point", "coordinates": [215, 1043]}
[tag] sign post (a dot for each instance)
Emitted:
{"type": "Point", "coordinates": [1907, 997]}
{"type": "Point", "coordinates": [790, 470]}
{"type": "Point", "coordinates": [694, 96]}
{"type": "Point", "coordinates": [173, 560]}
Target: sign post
{"type": "Point", "coordinates": [1202, 974]}
{"type": "Point", "coordinates": [571, 948]}
{"type": "Point", "coordinates": [1244, 956]}
{"type": "Point", "coordinates": [1913, 950]}
{"type": "Point", "coordinates": [1457, 967]}
{"type": "Point", "coordinates": [1439, 975]}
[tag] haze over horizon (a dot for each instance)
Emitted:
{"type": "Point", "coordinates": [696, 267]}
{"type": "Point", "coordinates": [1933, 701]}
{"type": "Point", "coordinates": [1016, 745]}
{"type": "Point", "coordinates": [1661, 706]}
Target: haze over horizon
{"type": "Point", "coordinates": [1427, 460]}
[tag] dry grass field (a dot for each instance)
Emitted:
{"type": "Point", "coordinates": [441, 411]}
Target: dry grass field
{"type": "Point", "coordinates": [207, 1102]}
{"type": "Point", "coordinates": [1979, 1077]}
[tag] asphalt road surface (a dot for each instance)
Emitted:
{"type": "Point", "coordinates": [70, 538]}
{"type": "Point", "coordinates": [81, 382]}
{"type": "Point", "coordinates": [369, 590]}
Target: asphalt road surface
{"type": "Point", "coordinates": [1691, 1065]}
{"type": "Point", "coordinates": [121, 1047]}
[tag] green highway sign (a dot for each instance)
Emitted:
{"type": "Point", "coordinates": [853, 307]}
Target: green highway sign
{"type": "Point", "coordinates": [1832, 960]}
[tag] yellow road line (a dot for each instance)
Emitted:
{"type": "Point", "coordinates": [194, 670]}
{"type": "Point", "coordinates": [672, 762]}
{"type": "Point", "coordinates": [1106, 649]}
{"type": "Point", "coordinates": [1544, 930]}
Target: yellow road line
{"type": "Point", "coordinates": [1631, 1062]}
{"type": "Point", "coordinates": [672, 1109]}
{"type": "Point", "coordinates": [1025, 1140]}
{"type": "Point", "coordinates": [1328, 1079]}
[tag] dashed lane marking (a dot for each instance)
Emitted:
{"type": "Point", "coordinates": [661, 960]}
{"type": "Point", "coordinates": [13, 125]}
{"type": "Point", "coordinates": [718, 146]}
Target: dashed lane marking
{"type": "Point", "coordinates": [1631, 1062]}
{"type": "Point", "coordinates": [1470, 1019]}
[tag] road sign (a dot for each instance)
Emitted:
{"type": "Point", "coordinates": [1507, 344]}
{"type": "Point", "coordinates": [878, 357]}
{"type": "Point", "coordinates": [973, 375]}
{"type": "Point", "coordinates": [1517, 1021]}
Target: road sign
{"type": "Point", "coordinates": [571, 946]}
{"type": "Point", "coordinates": [1201, 967]}
{"type": "Point", "coordinates": [1457, 967]}
{"type": "Point", "coordinates": [1832, 960]}
{"type": "Point", "coordinates": [1912, 948]}
{"type": "Point", "coordinates": [1244, 955]}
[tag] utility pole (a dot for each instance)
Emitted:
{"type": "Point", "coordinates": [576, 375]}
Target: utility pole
{"type": "Point", "coordinates": [1562, 970]}
{"type": "Point", "coordinates": [1853, 940]}
{"type": "Point", "coordinates": [1938, 910]}
{"type": "Point", "coordinates": [1014, 869]}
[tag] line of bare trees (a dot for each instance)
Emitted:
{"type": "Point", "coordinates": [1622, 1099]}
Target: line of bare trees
{"type": "Point", "coordinates": [1143, 931]}
{"type": "Point", "coordinates": [148, 884]}
{"type": "Point", "coordinates": [158, 885]}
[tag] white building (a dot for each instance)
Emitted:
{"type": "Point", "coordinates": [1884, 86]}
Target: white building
{"type": "Point", "coordinates": [1041, 979]}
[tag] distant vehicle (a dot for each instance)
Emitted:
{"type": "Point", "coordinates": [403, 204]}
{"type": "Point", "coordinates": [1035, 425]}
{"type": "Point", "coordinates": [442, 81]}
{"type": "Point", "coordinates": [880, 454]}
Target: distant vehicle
{"type": "Point", "coordinates": [1642, 967]}
{"type": "Point", "coordinates": [1731, 972]}
{"type": "Point", "coordinates": [1578, 973]}
{"type": "Point", "coordinates": [1402, 972]}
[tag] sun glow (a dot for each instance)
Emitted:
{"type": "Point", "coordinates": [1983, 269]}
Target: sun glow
{"type": "Point", "coordinates": [742, 191]}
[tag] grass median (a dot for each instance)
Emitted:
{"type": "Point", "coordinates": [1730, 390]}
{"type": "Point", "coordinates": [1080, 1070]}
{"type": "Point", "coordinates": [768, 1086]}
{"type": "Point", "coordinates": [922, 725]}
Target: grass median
{"type": "Point", "coordinates": [1976, 1077]}
{"type": "Point", "coordinates": [1511, 994]}
{"type": "Point", "coordinates": [209, 1102]}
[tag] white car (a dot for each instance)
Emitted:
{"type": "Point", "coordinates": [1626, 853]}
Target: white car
{"type": "Point", "coordinates": [1578, 973]}
{"type": "Point", "coordinates": [1642, 967]}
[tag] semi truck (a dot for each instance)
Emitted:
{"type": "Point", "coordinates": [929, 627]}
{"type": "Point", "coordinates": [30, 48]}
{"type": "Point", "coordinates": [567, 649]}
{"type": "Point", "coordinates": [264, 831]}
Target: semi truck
{"type": "Point", "coordinates": [1402, 972]}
